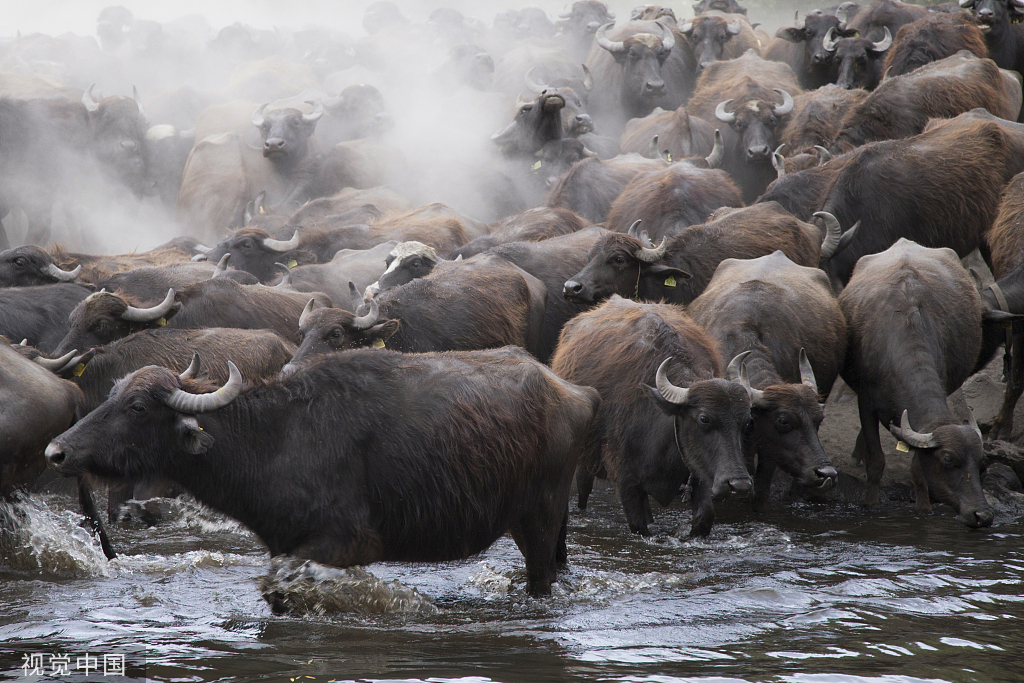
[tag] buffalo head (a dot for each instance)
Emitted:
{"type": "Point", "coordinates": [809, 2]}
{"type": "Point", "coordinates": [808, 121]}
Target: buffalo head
{"type": "Point", "coordinates": [285, 132]}
{"type": "Point", "coordinates": [755, 122]}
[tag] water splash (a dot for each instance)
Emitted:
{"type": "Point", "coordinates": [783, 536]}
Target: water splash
{"type": "Point", "coordinates": [35, 538]}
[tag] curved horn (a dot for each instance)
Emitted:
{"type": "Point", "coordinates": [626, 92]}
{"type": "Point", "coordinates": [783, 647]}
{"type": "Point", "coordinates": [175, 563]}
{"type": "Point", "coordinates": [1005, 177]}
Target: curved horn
{"type": "Point", "coordinates": [841, 13]}
{"type": "Point", "coordinates": [222, 265]}
{"type": "Point", "coordinates": [824, 156]}
{"type": "Point", "coordinates": [257, 116]}
{"type": "Point", "coordinates": [734, 27]}
{"type": "Point", "coordinates": [144, 315]}
{"type": "Point", "coordinates": [282, 245]}
{"type": "Point", "coordinates": [668, 39]}
{"type": "Point", "coordinates": [357, 298]}
{"type": "Point", "coordinates": [966, 4]}
{"type": "Point", "coordinates": [184, 402]}
{"type": "Point", "coordinates": [829, 42]}
{"type": "Point", "coordinates": [203, 249]}
{"type": "Point", "coordinates": [833, 233]}
{"type": "Point", "coordinates": [714, 159]}
{"type": "Point", "coordinates": [332, 102]}
{"type": "Point", "coordinates": [24, 342]}
{"type": "Point", "coordinates": [779, 161]}
{"type": "Point", "coordinates": [138, 102]}
{"type": "Point", "coordinates": [972, 423]}
{"type": "Point", "coordinates": [732, 371]}
{"type": "Point", "coordinates": [193, 368]}
{"type": "Point", "coordinates": [365, 322]}
{"type": "Point", "coordinates": [532, 84]}
{"type": "Point", "coordinates": [55, 364]}
{"type": "Point", "coordinates": [613, 46]}
{"type": "Point", "coordinates": [807, 372]}
{"type": "Point", "coordinates": [649, 255]}
{"type": "Point", "coordinates": [887, 75]}
{"type": "Point", "coordinates": [884, 44]}
{"type": "Point", "coordinates": [916, 439]}
{"type": "Point", "coordinates": [286, 279]}
{"type": "Point", "coordinates": [588, 78]}
{"type": "Point", "coordinates": [654, 152]}
{"type": "Point", "coordinates": [756, 395]}
{"type": "Point", "coordinates": [787, 103]}
{"type": "Point", "coordinates": [632, 232]}
{"type": "Point", "coordinates": [670, 392]}
{"type": "Point", "coordinates": [306, 310]}
{"type": "Point", "coordinates": [63, 275]}
{"type": "Point", "coordinates": [313, 116]}
{"type": "Point", "coordinates": [90, 103]}
{"type": "Point", "coordinates": [722, 115]}
{"type": "Point", "coordinates": [686, 28]}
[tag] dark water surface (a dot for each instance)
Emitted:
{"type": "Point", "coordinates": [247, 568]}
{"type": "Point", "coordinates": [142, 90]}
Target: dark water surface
{"type": "Point", "coordinates": [808, 594]}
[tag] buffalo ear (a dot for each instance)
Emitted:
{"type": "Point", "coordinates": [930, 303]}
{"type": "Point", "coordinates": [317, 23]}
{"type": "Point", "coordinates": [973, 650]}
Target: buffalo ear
{"type": "Point", "coordinates": [661, 269]}
{"type": "Point", "coordinates": [194, 440]}
{"type": "Point", "coordinates": [791, 34]}
{"type": "Point", "coordinates": [384, 330]}
{"type": "Point", "coordinates": [668, 407]}
{"type": "Point", "coordinates": [997, 316]}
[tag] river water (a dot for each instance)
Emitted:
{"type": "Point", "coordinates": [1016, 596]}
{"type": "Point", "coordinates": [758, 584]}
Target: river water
{"type": "Point", "coordinates": [809, 593]}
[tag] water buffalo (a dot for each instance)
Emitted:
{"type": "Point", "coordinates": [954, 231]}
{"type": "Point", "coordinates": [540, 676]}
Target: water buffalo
{"type": "Point", "coordinates": [857, 61]}
{"type": "Point", "coordinates": [680, 267]}
{"type": "Point", "coordinates": [504, 430]}
{"type": "Point", "coordinates": [591, 185]}
{"type": "Point", "coordinates": [360, 266]}
{"type": "Point", "coordinates": [932, 38]}
{"type": "Point", "coordinates": [715, 36]}
{"type": "Point", "coordinates": [679, 135]}
{"type": "Point", "coordinates": [803, 48]}
{"type": "Point", "coordinates": [780, 322]}
{"type": "Point", "coordinates": [697, 434]}
{"type": "Point", "coordinates": [730, 6]}
{"type": "Point", "coordinates": [816, 117]}
{"type": "Point", "coordinates": [532, 225]}
{"type": "Point", "coordinates": [579, 25]}
{"type": "Point", "coordinates": [30, 265]}
{"type": "Point", "coordinates": [40, 313]}
{"type": "Point", "coordinates": [326, 330]}
{"type": "Point", "coordinates": [999, 20]}
{"type": "Point", "coordinates": [914, 317]}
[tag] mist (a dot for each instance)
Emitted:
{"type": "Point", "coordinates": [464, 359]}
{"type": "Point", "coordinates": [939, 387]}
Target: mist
{"type": "Point", "coordinates": [438, 150]}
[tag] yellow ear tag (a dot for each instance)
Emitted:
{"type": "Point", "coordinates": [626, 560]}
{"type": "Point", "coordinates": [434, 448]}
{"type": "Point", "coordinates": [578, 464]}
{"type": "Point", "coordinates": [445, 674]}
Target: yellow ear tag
{"type": "Point", "coordinates": [902, 447]}
{"type": "Point", "coordinates": [668, 157]}
{"type": "Point", "coordinates": [670, 281]}
{"type": "Point", "coordinates": [536, 166]}
{"type": "Point", "coordinates": [292, 263]}
{"type": "Point", "coordinates": [79, 369]}
{"type": "Point", "coordinates": [1007, 324]}
{"type": "Point", "coordinates": [378, 343]}
{"type": "Point", "coordinates": [261, 209]}
{"type": "Point", "coordinates": [161, 322]}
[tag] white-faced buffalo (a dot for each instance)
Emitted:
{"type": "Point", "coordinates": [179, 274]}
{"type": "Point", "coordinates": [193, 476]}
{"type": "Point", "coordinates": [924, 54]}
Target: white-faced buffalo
{"type": "Point", "coordinates": [669, 200]}
{"type": "Point", "coordinates": [680, 267]}
{"type": "Point", "coordinates": [915, 329]}
{"type": "Point", "coordinates": [753, 96]}
{"type": "Point", "coordinates": [974, 151]}
{"type": "Point", "coordinates": [697, 433]}
{"type": "Point", "coordinates": [715, 36]}
{"type": "Point", "coordinates": [932, 38]}
{"type": "Point", "coordinates": [636, 68]}
{"type": "Point", "coordinates": [780, 322]}
{"type": "Point", "coordinates": [803, 48]}
{"type": "Point", "coordinates": [504, 431]}
{"type": "Point", "coordinates": [222, 302]}
{"type": "Point", "coordinates": [482, 302]}
{"type": "Point", "coordinates": [856, 61]}
{"type": "Point", "coordinates": [591, 185]}
{"type": "Point", "coordinates": [901, 106]}
{"type": "Point", "coordinates": [30, 265]}
{"type": "Point", "coordinates": [39, 314]}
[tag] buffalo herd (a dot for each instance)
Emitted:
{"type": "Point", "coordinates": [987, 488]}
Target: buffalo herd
{"type": "Point", "coordinates": [422, 276]}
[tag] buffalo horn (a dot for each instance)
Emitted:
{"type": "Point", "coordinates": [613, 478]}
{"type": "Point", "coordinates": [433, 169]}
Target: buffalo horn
{"type": "Point", "coordinates": [669, 391]}
{"type": "Point", "coordinates": [779, 161]}
{"type": "Point", "coordinates": [199, 257]}
{"type": "Point", "coordinates": [756, 395]}
{"type": "Point", "coordinates": [732, 371]}
{"type": "Point", "coordinates": [787, 103]}
{"type": "Point", "coordinates": [357, 298]}
{"type": "Point", "coordinates": [257, 116]}
{"type": "Point", "coordinates": [734, 27]}
{"type": "Point", "coordinates": [193, 368]}
{"type": "Point", "coordinates": [24, 342]}
{"type": "Point", "coordinates": [916, 439]}
{"type": "Point", "coordinates": [829, 42]}
{"type": "Point", "coordinates": [613, 46]}
{"type": "Point", "coordinates": [55, 364]}
{"type": "Point", "coordinates": [202, 249]}
{"type": "Point", "coordinates": [313, 116]}
{"type": "Point", "coordinates": [588, 78]}
{"type": "Point", "coordinates": [885, 43]}
{"type": "Point", "coordinates": [966, 3]}
{"type": "Point", "coordinates": [63, 275]}
{"type": "Point", "coordinates": [722, 115]}
{"type": "Point", "coordinates": [365, 322]}
{"type": "Point", "coordinates": [1018, 6]}
{"type": "Point", "coordinates": [184, 402]}
{"type": "Point", "coordinates": [144, 315]}
{"type": "Point", "coordinates": [807, 372]}
{"type": "Point", "coordinates": [972, 423]}
{"type": "Point", "coordinates": [686, 28]}
{"type": "Point", "coordinates": [668, 39]}
{"type": "Point", "coordinates": [833, 233]}
{"type": "Point", "coordinates": [841, 13]}
{"type": "Point", "coordinates": [222, 265]}
{"type": "Point", "coordinates": [332, 102]}
{"type": "Point", "coordinates": [632, 229]}
{"type": "Point", "coordinates": [306, 310]}
{"type": "Point", "coordinates": [138, 102]}
{"type": "Point", "coordinates": [714, 159]}
{"type": "Point", "coordinates": [532, 84]}
{"type": "Point", "coordinates": [654, 152]}
{"type": "Point", "coordinates": [282, 245]}
{"type": "Point", "coordinates": [649, 255]}
{"type": "Point", "coordinates": [824, 156]}
{"type": "Point", "coordinates": [87, 99]}
{"type": "Point", "coordinates": [286, 279]}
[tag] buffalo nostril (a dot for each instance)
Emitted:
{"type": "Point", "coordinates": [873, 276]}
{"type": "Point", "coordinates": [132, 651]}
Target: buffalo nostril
{"type": "Point", "coordinates": [54, 456]}
{"type": "Point", "coordinates": [655, 86]}
{"type": "Point", "coordinates": [826, 472]}
{"type": "Point", "coordinates": [981, 518]}
{"type": "Point", "coordinates": [741, 485]}
{"type": "Point", "coordinates": [759, 151]}
{"type": "Point", "coordinates": [985, 13]}
{"type": "Point", "coordinates": [572, 287]}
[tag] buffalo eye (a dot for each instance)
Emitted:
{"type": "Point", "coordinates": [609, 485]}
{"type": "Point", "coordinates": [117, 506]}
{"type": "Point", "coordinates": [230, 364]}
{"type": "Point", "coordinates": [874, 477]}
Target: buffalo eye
{"type": "Point", "coordinates": [524, 109]}
{"type": "Point", "coordinates": [137, 408]}
{"type": "Point", "coordinates": [617, 260]}
{"type": "Point", "coordinates": [417, 263]}
{"type": "Point", "coordinates": [247, 244]}
{"type": "Point", "coordinates": [950, 460]}
{"type": "Point", "coordinates": [20, 262]}
{"type": "Point", "coordinates": [704, 419]}
{"type": "Point", "coordinates": [335, 334]}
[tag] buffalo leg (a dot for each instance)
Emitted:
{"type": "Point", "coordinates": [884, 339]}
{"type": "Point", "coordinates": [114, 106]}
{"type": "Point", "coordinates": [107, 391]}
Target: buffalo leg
{"type": "Point", "coordinates": [116, 497]}
{"type": "Point", "coordinates": [562, 550]}
{"type": "Point", "coordinates": [703, 506]}
{"type": "Point", "coordinates": [537, 540]}
{"type": "Point", "coordinates": [870, 446]}
{"type": "Point", "coordinates": [89, 509]}
{"type": "Point", "coordinates": [584, 485]}
{"type": "Point", "coordinates": [763, 483]}
{"type": "Point", "coordinates": [636, 506]}
{"type": "Point", "coordinates": [1002, 425]}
